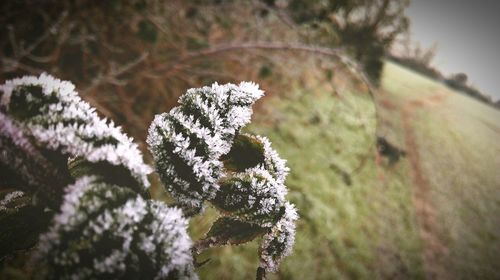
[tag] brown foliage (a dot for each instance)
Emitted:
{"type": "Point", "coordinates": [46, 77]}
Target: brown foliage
{"type": "Point", "coordinates": [131, 59]}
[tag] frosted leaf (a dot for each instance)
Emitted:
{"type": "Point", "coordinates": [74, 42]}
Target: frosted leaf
{"type": "Point", "coordinates": [107, 231]}
{"type": "Point", "coordinates": [24, 166]}
{"type": "Point", "coordinates": [278, 243]}
{"type": "Point", "coordinates": [255, 151]}
{"type": "Point", "coordinates": [200, 156]}
{"type": "Point", "coordinates": [188, 141]}
{"type": "Point", "coordinates": [21, 222]}
{"type": "Point", "coordinates": [8, 199]}
{"type": "Point", "coordinates": [51, 111]}
{"type": "Point", "coordinates": [253, 196]}
{"type": "Point", "coordinates": [273, 162]}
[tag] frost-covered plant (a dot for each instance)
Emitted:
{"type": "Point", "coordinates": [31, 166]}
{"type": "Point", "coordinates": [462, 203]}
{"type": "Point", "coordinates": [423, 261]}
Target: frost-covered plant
{"type": "Point", "coordinates": [105, 230]}
{"type": "Point", "coordinates": [85, 184]}
{"type": "Point", "coordinates": [85, 189]}
{"type": "Point", "coordinates": [188, 141]}
{"type": "Point", "coordinates": [50, 111]}
{"type": "Point", "coordinates": [201, 156]}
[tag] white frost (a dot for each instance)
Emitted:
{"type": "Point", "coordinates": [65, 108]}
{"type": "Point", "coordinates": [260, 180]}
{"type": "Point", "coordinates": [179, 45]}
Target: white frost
{"type": "Point", "coordinates": [72, 126]}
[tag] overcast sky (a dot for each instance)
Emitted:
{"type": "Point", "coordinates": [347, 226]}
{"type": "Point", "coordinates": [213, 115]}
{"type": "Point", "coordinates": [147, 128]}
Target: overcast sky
{"type": "Point", "coordinates": [468, 36]}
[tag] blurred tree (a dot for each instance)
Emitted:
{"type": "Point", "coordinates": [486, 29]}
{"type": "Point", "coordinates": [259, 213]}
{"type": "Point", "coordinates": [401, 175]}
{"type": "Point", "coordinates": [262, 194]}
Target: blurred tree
{"type": "Point", "coordinates": [459, 79]}
{"type": "Point", "coordinates": [366, 27]}
{"type": "Point", "coordinates": [412, 55]}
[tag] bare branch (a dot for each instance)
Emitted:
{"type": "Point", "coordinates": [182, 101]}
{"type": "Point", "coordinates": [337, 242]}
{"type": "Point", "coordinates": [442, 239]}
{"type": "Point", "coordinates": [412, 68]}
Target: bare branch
{"type": "Point", "coordinates": [12, 64]}
{"type": "Point", "coordinates": [337, 53]}
{"type": "Point", "coordinates": [112, 76]}
{"type": "Point", "coordinates": [280, 13]}
{"type": "Point", "coordinates": [12, 39]}
{"type": "Point", "coordinates": [39, 40]}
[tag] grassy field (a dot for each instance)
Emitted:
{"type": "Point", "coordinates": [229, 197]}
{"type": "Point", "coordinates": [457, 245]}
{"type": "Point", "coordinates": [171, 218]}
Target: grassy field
{"type": "Point", "coordinates": [458, 149]}
{"type": "Point", "coordinates": [435, 212]}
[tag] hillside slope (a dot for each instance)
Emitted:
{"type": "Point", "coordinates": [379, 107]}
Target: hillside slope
{"type": "Point", "coordinates": [353, 225]}
{"type": "Point", "coordinates": [452, 144]}
{"type": "Point", "coordinates": [432, 213]}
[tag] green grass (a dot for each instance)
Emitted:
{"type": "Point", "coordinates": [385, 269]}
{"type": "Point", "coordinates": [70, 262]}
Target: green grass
{"type": "Point", "coordinates": [357, 218]}
{"type": "Point", "coordinates": [463, 171]}
{"type": "Point", "coordinates": [353, 225]}
{"type": "Point", "coordinates": [459, 150]}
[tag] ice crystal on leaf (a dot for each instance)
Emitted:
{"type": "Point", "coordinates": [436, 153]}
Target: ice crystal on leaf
{"type": "Point", "coordinates": [55, 145]}
{"type": "Point", "coordinates": [201, 156]}
{"type": "Point", "coordinates": [23, 165]}
{"type": "Point", "coordinates": [188, 141]}
{"type": "Point", "coordinates": [278, 243]}
{"type": "Point", "coordinates": [253, 196]}
{"type": "Point", "coordinates": [51, 111]}
{"type": "Point", "coordinates": [104, 230]}
{"type": "Point", "coordinates": [8, 199]}
{"type": "Point", "coordinates": [50, 138]}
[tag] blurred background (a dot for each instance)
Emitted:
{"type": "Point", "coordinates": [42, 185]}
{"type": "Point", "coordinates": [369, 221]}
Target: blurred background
{"type": "Point", "coordinates": [394, 157]}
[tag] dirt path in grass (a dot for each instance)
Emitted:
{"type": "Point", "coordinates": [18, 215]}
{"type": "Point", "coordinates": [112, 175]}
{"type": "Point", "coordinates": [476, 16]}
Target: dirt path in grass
{"type": "Point", "coordinates": [434, 249]}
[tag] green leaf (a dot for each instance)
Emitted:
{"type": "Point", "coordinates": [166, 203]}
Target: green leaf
{"type": "Point", "coordinates": [21, 223]}
{"type": "Point", "coordinates": [227, 230]}
{"type": "Point", "coordinates": [246, 152]}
